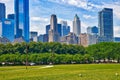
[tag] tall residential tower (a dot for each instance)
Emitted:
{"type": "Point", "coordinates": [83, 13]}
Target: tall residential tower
{"type": "Point", "coordinates": [76, 25]}
{"type": "Point", "coordinates": [53, 32]}
{"type": "Point", "coordinates": [22, 19]}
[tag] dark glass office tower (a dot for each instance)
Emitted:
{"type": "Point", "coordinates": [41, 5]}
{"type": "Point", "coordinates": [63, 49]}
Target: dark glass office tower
{"type": "Point", "coordinates": [105, 18]}
{"type": "Point", "coordinates": [2, 11]}
{"type": "Point", "coordinates": [22, 19]}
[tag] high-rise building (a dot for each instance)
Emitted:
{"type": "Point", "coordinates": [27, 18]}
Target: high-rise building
{"type": "Point", "coordinates": [43, 38]}
{"type": "Point", "coordinates": [105, 18]}
{"type": "Point", "coordinates": [47, 32]}
{"type": "Point", "coordinates": [71, 38]}
{"type": "Point", "coordinates": [0, 28]}
{"type": "Point", "coordinates": [87, 39]}
{"type": "Point", "coordinates": [47, 29]}
{"type": "Point", "coordinates": [33, 34]}
{"type": "Point", "coordinates": [76, 25]}
{"type": "Point", "coordinates": [7, 29]}
{"type": "Point", "coordinates": [22, 19]}
{"type": "Point", "coordinates": [11, 16]}
{"type": "Point", "coordinates": [2, 11]}
{"type": "Point", "coordinates": [53, 32]}
{"type": "Point", "coordinates": [92, 30]}
{"type": "Point", "coordinates": [59, 29]}
{"type": "Point", "coordinates": [116, 39]}
{"type": "Point", "coordinates": [65, 28]}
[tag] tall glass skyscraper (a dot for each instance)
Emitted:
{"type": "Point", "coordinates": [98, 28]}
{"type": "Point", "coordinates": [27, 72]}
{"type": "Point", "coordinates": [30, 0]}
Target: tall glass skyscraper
{"type": "Point", "coordinates": [105, 18]}
{"type": "Point", "coordinates": [2, 11]}
{"type": "Point", "coordinates": [22, 19]}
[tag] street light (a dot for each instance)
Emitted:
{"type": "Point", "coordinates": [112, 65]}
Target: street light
{"type": "Point", "coordinates": [52, 56]}
{"type": "Point", "coordinates": [26, 51]}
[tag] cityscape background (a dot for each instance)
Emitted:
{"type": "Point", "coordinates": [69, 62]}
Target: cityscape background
{"type": "Point", "coordinates": [80, 22]}
{"type": "Point", "coordinates": [87, 10]}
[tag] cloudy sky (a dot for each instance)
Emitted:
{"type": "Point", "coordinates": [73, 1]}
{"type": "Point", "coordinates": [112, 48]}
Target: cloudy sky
{"type": "Point", "coordinates": [87, 10]}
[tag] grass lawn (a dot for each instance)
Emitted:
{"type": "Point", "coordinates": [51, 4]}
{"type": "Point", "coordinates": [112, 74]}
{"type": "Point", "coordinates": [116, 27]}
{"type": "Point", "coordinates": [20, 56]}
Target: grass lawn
{"type": "Point", "coordinates": [62, 72]}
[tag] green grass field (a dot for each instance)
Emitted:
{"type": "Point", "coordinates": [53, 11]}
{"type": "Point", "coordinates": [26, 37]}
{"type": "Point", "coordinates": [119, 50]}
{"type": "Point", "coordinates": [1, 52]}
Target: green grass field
{"type": "Point", "coordinates": [62, 72]}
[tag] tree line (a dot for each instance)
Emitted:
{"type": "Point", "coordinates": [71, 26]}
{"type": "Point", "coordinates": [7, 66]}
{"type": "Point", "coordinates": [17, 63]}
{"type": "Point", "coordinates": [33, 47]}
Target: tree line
{"type": "Point", "coordinates": [46, 53]}
{"type": "Point", "coordinates": [38, 47]}
{"type": "Point", "coordinates": [46, 58]}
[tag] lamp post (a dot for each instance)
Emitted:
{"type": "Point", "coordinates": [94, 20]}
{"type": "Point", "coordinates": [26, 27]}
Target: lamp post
{"type": "Point", "coordinates": [26, 51]}
{"type": "Point", "coordinates": [52, 56]}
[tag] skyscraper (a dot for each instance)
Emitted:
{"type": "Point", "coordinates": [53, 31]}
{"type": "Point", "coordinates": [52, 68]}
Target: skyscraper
{"type": "Point", "coordinates": [7, 29]}
{"type": "Point", "coordinates": [33, 34]}
{"type": "Point", "coordinates": [22, 19]}
{"type": "Point", "coordinates": [47, 29]}
{"type": "Point", "coordinates": [105, 18]}
{"type": "Point", "coordinates": [87, 39]}
{"type": "Point", "coordinates": [71, 38]}
{"type": "Point", "coordinates": [2, 11]}
{"type": "Point", "coordinates": [65, 28]}
{"type": "Point", "coordinates": [0, 29]}
{"type": "Point", "coordinates": [53, 32]}
{"type": "Point", "coordinates": [59, 29]}
{"type": "Point", "coordinates": [76, 25]}
{"type": "Point", "coordinates": [92, 30]}
{"type": "Point", "coordinates": [11, 16]}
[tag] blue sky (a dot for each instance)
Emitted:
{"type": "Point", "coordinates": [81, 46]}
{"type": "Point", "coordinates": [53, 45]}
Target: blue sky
{"type": "Point", "coordinates": [87, 10]}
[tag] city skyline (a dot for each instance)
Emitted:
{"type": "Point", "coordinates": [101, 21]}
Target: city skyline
{"type": "Point", "coordinates": [87, 11]}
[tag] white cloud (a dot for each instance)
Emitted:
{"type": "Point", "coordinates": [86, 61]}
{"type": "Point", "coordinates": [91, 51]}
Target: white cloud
{"type": "Point", "coordinates": [78, 3]}
{"type": "Point", "coordinates": [89, 17]}
{"type": "Point", "coordinates": [116, 8]}
{"type": "Point", "coordinates": [5, 1]}
{"type": "Point", "coordinates": [84, 27]}
{"type": "Point", "coordinates": [85, 4]}
{"type": "Point", "coordinates": [38, 24]}
{"type": "Point", "coordinates": [39, 19]}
